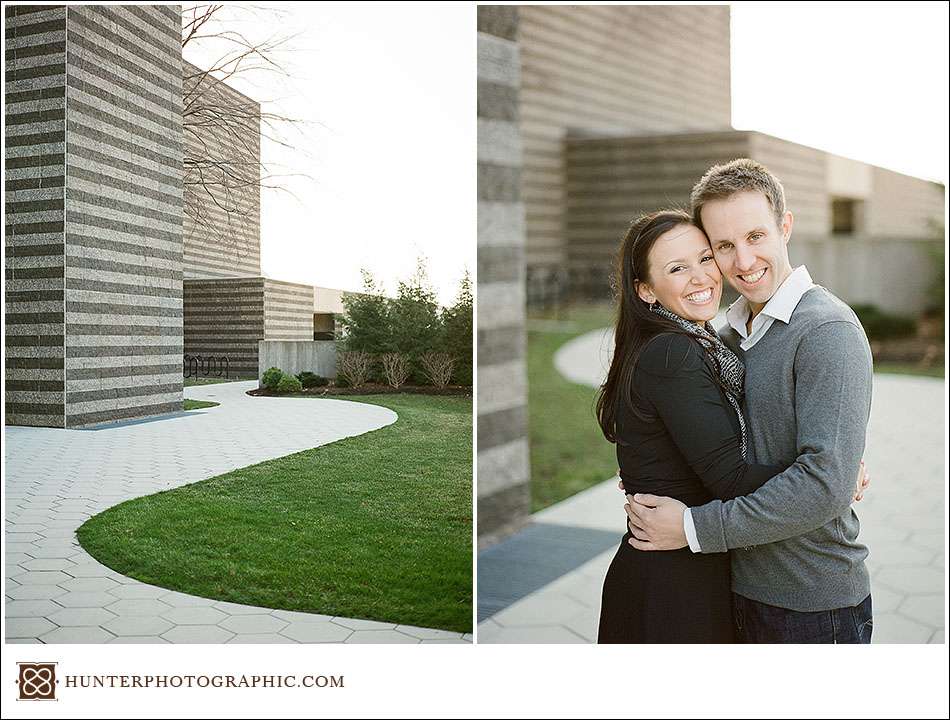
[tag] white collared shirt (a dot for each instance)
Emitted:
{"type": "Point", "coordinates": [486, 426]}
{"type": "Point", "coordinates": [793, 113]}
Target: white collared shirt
{"type": "Point", "coordinates": [779, 307]}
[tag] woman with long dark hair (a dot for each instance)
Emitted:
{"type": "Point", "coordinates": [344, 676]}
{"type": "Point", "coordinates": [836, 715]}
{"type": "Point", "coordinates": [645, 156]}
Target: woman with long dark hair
{"type": "Point", "coordinates": [672, 404]}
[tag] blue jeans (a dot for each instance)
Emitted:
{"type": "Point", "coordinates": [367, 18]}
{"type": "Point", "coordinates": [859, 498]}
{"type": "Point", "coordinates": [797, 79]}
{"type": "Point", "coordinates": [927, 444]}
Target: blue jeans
{"type": "Point", "coordinates": [760, 623]}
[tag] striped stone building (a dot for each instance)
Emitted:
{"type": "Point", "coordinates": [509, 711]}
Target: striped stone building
{"type": "Point", "coordinates": [93, 227]}
{"type": "Point", "coordinates": [503, 492]}
{"type": "Point", "coordinates": [607, 70]}
{"type": "Point", "coordinates": [228, 305]}
{"type": "Point", "coordinates": [118, 259]}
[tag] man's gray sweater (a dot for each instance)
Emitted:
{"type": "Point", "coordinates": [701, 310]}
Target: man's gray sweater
{"type": "Point", "coordinates": [808, 398]}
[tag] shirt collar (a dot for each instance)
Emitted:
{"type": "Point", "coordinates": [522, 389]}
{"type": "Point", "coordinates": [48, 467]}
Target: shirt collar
{"type": "Point", "coordinates": [780, 306]}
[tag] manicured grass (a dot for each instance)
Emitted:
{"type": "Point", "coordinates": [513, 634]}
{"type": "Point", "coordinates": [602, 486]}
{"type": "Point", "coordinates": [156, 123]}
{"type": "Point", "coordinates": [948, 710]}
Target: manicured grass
{"type": "Point", "coordinates": [197, 404]}
{"type": "Point", "coordinates": [568, 450]}
{"type": "Point", "coordinates": [909, 369]}
{"type": "Point", "coordinates": [377, 526]}
{"type": "Point", "coordinates": [191, 382]}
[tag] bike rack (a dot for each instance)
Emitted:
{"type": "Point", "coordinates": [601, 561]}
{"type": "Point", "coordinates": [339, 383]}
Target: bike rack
{"type": "Point", "coordinates": [211, 365]}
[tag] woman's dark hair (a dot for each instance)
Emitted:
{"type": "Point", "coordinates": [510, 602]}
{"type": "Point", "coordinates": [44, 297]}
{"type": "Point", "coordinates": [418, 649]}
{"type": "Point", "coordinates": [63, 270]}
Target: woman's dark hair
{"type": "Point", "coordinates": [636, 323]}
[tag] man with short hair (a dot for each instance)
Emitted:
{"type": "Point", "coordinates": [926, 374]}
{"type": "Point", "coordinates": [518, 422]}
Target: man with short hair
{"type": "Point", "coordinates": [798, 569]}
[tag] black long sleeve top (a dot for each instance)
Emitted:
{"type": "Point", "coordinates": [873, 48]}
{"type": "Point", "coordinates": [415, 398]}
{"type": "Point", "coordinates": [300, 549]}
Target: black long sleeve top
{"type": "Point", "coordinates": [690, 447]}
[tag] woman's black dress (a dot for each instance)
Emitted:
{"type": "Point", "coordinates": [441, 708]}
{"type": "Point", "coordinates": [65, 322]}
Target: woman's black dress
{"type": "Point", "coordinates": [689, 449]}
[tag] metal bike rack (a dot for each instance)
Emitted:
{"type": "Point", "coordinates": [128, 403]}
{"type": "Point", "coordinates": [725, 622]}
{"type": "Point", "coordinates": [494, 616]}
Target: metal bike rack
{"type": "Point", "coordinates": [205, 366]}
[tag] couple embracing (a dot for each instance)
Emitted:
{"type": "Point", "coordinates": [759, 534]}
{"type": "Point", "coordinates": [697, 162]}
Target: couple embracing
{"type": "Point", "coordinates": [740, 453]}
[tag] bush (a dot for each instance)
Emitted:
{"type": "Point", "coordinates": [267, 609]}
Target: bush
{"type": "Point", "coordinates": [880, 325]}
{"type": "Point", "coordinates": [416, 324]}
{"type": "Point", "coordinates": [271, 377]}
{"type": "Point", "coordinates": [457, 334]}
{"type": "Point", "coordinates": [410, 324]}
{"type": "Point", "coordinates": [288, 384]}
{"type": "Point", "coordinates": [354, 367]}
{"type": "Point", "coordinates": [395, 368]}
{"type": "Point", "coordinates": [366, 324]}
{"type": "Point", "coordinates": [310, 380]}
{"type": "Point", "coordinates": [438, 368]}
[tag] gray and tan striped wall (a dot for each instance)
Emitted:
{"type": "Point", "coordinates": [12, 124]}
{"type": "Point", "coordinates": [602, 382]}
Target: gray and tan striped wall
{"type": "Point", "coordinates": [227, 317]}
{"type": "Point", "coordinates": [288, 310]}
{"type": "Point", "coordinates": [610, 70]}
{"type": "Point", "coordinates": [118, 223]}
{"type": "Point", "coordinates": [609, 181]}
{"type": "Point", "coordinates": [35, 171]}
{"type": "Point", "coordinates": [222, 222]}
{"type": "Point", "coordinates": [503, 471]}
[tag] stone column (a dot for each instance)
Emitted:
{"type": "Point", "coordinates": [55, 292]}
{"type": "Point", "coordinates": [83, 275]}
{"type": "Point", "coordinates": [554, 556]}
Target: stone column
{"type": "Point", "coordinates": [94, 314]}
{"type": "Point", "coordinates": [503, 472]}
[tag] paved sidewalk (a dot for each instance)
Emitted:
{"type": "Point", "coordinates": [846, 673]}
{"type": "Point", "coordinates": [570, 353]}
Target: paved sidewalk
{"type": "Point", "coordinates": [902, 522]}
{"type": "Point", "coordinates": [56, 479]}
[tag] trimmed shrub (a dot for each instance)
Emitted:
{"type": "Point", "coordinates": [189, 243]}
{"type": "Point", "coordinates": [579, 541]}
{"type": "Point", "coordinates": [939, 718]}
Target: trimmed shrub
{"type": "Point", "coordinates": [880, 325]}
{"type": "Point", "coordinates": [438, 368]}
{"type": "Point", "coordinates": [395, 368]}
{"type": "Point", "coordinates": [310, 380]}
{"type": "Point", "coordinates": [271, 377]}
{"type": "Point", "coordinates": [289, 384]}
{"type": "Point", "coordinates": [354, 367]}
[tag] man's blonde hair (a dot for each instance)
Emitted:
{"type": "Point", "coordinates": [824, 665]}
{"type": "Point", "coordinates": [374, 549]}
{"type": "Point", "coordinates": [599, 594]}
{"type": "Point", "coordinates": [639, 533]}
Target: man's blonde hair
{"type": "Point", "coordinates": [741, 175]}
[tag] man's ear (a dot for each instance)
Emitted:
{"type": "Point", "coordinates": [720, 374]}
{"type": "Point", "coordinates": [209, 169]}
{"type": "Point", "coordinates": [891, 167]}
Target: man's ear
{"type": "Point", "coordinates": [646, 293]}
{"type": "Point", "coordinates": [787, 223]}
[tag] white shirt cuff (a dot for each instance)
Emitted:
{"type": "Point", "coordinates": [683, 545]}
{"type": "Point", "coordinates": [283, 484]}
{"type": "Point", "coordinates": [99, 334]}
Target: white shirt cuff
{"type": "Point", "coordinates": [690, 531]}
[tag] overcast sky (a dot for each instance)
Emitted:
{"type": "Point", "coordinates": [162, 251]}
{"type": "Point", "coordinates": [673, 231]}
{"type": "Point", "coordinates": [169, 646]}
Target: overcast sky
{"type": "Point", "coordinates": [388, 91]}
{"type": "Point", "coordinates": [863, 80]}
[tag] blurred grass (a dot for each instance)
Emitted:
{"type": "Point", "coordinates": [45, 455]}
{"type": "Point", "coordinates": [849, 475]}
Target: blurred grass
{"type": "Point", "coordinates": [568, 450]}
{"type": "Point", "coordinates": [909, 369]}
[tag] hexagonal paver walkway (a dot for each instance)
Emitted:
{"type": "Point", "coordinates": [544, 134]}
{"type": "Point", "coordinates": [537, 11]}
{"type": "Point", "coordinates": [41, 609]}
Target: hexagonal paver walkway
{"type": "Point", "coordinates": [902, 521]}
{"type": "Point", "coordinates": [56, 479]}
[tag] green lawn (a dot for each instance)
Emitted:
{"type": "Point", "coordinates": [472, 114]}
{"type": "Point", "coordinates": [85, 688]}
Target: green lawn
{"type": "Point", "coordinates": [909, 369]}
{"type": "Point", "coordinates": [192, 382]}
{"type": "Point", "coordinates": [197, 404]}
{"type": "Point", "coordinates": [568, 450]}
{"type": "Point", "coordinates": [377, 526]}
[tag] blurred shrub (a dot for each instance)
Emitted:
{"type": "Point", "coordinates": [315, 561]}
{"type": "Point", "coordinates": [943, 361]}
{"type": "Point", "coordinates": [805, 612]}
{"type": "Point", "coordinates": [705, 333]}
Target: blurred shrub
{"type": "Point", "coordinates": [880, 325]}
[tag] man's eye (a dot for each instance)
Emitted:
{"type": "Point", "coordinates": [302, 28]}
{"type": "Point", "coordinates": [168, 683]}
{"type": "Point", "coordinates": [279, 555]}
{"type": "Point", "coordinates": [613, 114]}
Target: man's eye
{"type": "Point", "coordinates": [724, 247]}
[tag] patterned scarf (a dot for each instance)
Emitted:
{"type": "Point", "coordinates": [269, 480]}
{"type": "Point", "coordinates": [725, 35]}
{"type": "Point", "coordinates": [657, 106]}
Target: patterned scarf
{"type": "Point", "coordinates": [730, 367]}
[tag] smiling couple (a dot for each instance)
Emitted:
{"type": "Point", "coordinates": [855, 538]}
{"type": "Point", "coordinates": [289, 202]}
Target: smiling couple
{"type": "Point", "coordinates": [740, 454]}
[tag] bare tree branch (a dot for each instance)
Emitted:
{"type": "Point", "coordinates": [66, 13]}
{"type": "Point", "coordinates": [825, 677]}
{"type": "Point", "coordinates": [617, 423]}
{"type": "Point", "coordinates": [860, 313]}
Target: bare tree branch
{"type": "Point", "coordinates": [223, 171]}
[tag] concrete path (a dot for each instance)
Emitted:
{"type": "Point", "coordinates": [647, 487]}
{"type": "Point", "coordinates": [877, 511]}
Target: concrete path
{"type": "Point", "coordinates": [56, 479]}
{"type": "Point", "coordinates": [902, 522]}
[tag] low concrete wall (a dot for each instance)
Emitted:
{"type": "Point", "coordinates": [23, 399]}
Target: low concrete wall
{"type": "Point", "coordinates": [295, 356]}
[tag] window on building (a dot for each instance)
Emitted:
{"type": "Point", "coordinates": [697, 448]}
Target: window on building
{"type": "Point", "coordinates": [845, 218]}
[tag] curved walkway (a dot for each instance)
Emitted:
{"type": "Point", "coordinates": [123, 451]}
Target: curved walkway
{"type": "Point", "coordinates": [56, 479]}
{"type": "Point", "coordinates": [902, 520]}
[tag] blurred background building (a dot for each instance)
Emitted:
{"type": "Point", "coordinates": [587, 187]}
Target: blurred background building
{"type": "Point", "coordinates": [589, 115]}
